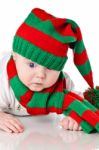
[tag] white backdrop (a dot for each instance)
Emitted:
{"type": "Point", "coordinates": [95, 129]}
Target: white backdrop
{"type": "Point", "coordinates": [85, 13]}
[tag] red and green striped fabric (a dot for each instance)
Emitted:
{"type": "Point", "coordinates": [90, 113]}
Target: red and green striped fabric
{"type": "Point", "coordinates": [45, 39]}
{"type": "Point", "coordinates": [55, 99]}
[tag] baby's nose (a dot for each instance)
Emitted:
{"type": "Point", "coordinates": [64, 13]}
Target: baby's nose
{"type": "Point", "coordinates": [41, 71]}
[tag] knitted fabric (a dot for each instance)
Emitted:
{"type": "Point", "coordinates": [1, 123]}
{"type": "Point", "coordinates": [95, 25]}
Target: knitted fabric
{"type": "Point", "coordinates": [45, 39]}
{"type": "Point", "coordinates": [55, 99]}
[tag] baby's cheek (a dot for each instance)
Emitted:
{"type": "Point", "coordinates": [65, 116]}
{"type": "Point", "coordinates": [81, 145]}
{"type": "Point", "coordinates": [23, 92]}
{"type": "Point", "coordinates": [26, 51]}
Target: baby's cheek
{"type": "Point", "coordinates": [24, 78]}
{"type": "Point", "coordinates": [49, 82]}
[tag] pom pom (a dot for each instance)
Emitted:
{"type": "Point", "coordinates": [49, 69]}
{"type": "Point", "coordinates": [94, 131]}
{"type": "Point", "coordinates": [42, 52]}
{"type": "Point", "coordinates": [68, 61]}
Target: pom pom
{"type": "Point", "coordinates": [92, 95]}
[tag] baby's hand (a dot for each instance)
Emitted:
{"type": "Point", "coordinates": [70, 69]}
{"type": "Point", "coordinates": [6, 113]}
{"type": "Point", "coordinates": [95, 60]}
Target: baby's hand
{"type": "Point", "coordinates": [10, 124]}
{"type": "Point", "coordinates": [69, 123]}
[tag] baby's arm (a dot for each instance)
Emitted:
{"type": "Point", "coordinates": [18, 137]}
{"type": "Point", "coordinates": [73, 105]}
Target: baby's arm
{"type": "Point", "coordinates": [8, 122]}
{"type": "Point", "coordinates": [66, 121]}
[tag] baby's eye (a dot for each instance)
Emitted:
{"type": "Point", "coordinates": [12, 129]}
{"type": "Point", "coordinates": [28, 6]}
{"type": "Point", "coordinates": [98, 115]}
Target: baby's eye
{"type": "Point", "coordinates": [31, 65]}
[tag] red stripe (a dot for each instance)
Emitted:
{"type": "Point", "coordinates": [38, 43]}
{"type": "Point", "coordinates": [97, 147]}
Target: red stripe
{"type": "Point", "coordinates": [38, 111]}
{"type": "Point", "coordinates": [75, 116]}
{"type": "Point", "coordinates": [11, 69]}
{"type": "Point", "coordinates": [68, 99]}
{"type": "Point", "coordinates": [80, 59]}
{"type": "Point", "coordinates": [89, 79]}
{"type": "Point", "coordinates": [91, 117]}
{"type": "Point", "coordinates": [76, 96]}
{"type": "Point", "coordinates": [24, 99]}
{"type": "Point", "coordinates": [63, 28]}
{"type": "Point", "coordinates": [54, 109]}
{"type": "Point", "coordinates": [42, 14]}
{"type": "Point", "coordinates": [97, 112]}
{"type": "Point", "coordinates": [48, 43]}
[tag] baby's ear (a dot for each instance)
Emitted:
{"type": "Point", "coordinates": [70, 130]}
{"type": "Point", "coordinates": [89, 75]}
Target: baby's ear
{"type": "Point", "coordinates": [14, 55]}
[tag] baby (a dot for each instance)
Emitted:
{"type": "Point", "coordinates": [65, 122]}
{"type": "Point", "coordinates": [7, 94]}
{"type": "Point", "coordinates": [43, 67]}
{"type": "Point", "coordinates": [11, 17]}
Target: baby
{"type": "Point", "coordinates": [32, 79]}
{"type": "Point", "coordinates": [36, 77]}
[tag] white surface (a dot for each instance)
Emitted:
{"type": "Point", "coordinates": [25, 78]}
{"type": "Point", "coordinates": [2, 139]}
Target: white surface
{"type": "Point", "coordinates": [44, 133]}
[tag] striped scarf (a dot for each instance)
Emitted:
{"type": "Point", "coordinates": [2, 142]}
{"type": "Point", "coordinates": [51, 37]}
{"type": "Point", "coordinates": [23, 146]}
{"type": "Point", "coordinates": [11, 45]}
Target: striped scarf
{"type": "Point", "coordinates": [55, 99]}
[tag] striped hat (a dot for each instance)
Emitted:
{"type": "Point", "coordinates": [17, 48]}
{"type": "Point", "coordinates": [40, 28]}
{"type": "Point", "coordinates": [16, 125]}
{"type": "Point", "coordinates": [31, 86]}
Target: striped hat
{"type": "Point", "coordinates": [45, 39]}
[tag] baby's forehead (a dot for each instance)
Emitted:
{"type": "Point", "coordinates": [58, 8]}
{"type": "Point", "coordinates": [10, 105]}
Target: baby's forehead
{"type": "Point", "coordinates": [31, 61]}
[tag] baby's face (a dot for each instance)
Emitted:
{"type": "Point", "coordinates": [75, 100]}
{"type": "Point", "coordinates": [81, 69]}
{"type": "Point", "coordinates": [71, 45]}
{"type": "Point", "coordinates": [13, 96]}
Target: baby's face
{"type": "Point", "coordinates": [33, 75]}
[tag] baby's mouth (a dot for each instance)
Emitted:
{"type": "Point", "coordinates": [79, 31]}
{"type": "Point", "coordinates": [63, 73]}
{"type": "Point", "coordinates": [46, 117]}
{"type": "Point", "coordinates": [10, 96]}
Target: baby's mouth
{"type": "Point", "coordinates": [37, 83]}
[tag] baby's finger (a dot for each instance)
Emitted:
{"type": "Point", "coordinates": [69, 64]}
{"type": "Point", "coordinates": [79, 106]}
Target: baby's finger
{"type": "Point", "coordinates": [16, 125]}
{"type": "Point", "coordinates": [19, 122]}
{"type": "Point", "coordinates": [11, 127]}
{"type": "Point", "coordinates": [5, 128]}
{"type": "Point", "coordinates": [71, 124]}
{"type": "Point", "coordinates": [65, 124]}
{"type": "Point", "coordinates": [75, 126]}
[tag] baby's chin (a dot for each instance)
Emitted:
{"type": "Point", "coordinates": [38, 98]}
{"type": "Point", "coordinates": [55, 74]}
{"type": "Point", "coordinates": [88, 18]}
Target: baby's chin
{"type": "Point", "coordinates": [34, 88]}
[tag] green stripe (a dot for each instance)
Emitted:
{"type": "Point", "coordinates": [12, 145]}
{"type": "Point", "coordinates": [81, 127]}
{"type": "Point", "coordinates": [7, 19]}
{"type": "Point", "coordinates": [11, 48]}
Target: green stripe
{"type": "Point", "coordinates": [48, 28]}
{"type": "Point", "coordinates": [97, 126]}
{"type": "Point", "coordinates": [56, 100]}
{"type": "Point", "coordinates": [66, 91]}
{"type": "Point", "coordinates": [40, 100]}
{"type": "Point", "coordinates": [67, 111]}
{"type": "Point", "coordinates": [79, 47]}
{"type": "Point", "coordinates": [78, 107]}
{"type": "Point", "coordinates": [92, 107]}
{"type": "Point", "coordinates": [62, 75]}
{"type": "Point", "coordinates": [87, 127]}
{"type": "Point", "coordinates": [85, 68]}
{"type": "Point", "coordinates": [18, 87]}
{"type": "Point", "coordinates": [74, 24]}
{"type": "Point", "coordinates": [38, 55]}
{"type": "Point", "coordinates": [32, 19]}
